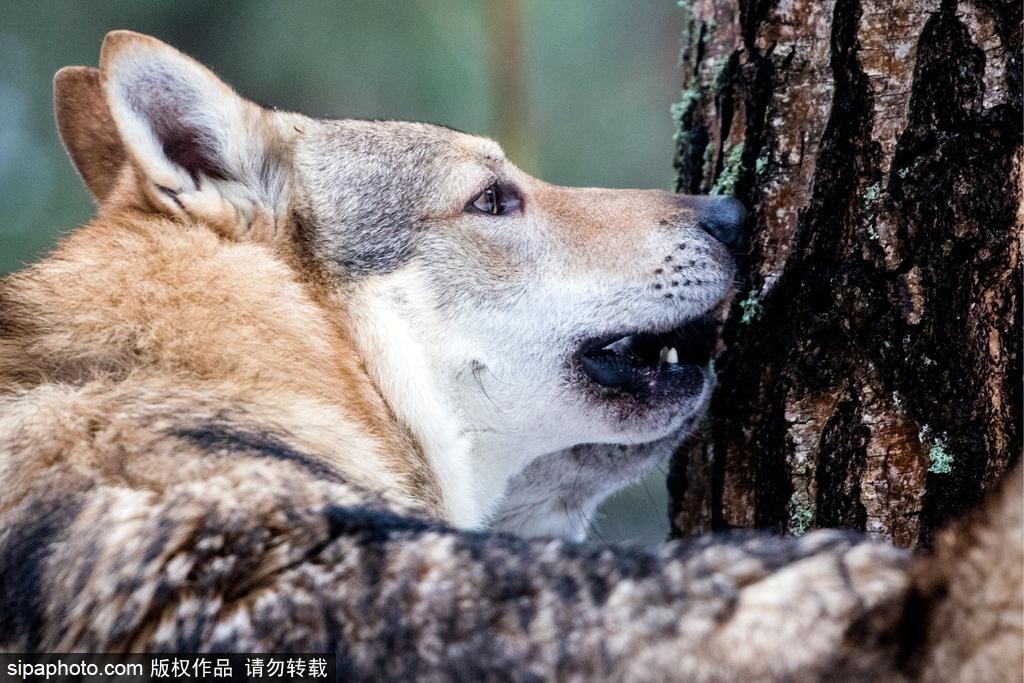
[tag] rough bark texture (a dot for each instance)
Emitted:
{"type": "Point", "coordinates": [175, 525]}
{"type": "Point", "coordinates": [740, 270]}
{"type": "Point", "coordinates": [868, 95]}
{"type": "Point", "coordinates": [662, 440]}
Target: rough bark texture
{"type": "Point", "coordinates": [873, 372]}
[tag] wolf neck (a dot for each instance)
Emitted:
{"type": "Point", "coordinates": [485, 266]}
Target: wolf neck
{"type": "Point", "coordinates": [181, 307]}
{"type": "Point", "coordinates": [399, 365]}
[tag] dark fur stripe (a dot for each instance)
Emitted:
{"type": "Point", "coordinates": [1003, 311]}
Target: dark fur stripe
{"type": "Point", "coordinates": [378, 524]}
{"type": "Point", "coordinates": [214, 437]}
{"type": "Point", "coordinates": [24, 550]}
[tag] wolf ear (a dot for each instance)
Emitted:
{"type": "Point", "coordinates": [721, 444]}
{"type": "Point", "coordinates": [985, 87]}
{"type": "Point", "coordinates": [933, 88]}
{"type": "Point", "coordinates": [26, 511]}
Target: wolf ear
{"type": "Point", "coordinates": [87, 128]}
{"type": "Point", "coordinates": [201, 151]}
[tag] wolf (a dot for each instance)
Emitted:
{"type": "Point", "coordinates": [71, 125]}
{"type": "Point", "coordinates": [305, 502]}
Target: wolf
{"type": "Point", "coordinates": [271, 396]}
{"type": "Point", "coordinates": [558, 493]}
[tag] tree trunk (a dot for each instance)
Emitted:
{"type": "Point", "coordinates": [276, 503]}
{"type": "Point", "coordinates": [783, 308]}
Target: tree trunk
{"type": "Point", "coordinates": [872, 377]}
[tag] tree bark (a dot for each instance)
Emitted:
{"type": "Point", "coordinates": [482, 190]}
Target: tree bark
{"type": "Point", "coordinates": [872, 377]}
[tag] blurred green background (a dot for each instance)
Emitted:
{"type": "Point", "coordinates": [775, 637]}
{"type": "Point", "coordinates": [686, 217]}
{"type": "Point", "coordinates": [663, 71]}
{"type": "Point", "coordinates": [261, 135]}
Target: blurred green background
{"type": "Point", "coordinates": [577, 91]}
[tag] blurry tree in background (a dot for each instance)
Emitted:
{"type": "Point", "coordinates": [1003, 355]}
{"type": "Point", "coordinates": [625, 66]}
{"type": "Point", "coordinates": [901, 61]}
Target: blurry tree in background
{"type": "Point", "coordinates": [873, 376]}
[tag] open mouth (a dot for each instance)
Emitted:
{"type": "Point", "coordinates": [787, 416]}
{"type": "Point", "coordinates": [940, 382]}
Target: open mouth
{"type": "Point", "coordinates": [649, 360]}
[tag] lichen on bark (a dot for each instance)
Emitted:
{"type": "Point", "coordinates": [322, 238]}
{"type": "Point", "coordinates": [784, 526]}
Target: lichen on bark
{"type": "Point", "coordinates": [880, 149]}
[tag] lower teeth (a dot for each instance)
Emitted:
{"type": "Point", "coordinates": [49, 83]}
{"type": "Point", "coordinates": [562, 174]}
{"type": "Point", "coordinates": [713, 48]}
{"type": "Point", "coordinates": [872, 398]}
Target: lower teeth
{"type": "Point", "coordinates": [668, 355]}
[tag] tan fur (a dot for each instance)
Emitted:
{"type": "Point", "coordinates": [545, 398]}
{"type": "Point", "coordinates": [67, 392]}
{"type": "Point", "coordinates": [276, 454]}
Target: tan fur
{"type": "Point", "coordinates": [87, 129]}
{"type": "Point", "coordinates": [134, 296]}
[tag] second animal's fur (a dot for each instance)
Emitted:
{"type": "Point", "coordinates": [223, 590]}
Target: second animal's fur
{"type": "Point", "coordinates": [257, 403]}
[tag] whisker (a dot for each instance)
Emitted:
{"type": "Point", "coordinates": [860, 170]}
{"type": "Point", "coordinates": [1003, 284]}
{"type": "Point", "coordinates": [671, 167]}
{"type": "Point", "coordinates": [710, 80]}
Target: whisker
{"type": "Point", "coordinates": [592, 528]}
{"type": "Point", "coordinates": [565, 509]}
{"type": "Point", "coordinates": [476, 376]}
{"type": "Point", "coordinates": [491, 373]}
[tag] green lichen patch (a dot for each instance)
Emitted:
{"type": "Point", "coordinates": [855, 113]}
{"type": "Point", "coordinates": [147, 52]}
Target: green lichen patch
{"type": "Point", "coordinates": [761, 165]}
{"type": "Point", "coordinates": [727, 180]}
{"type": "Point", "coordinates": [751, 307]}
{"type": "Point", "coordinates": [871, 195]}
{"type": "Point", "coordinates": [682, 109]}
{"type": "Point", "coordinates": [801, 516]}
{"type": "Point", "coordinates": [939, 456]}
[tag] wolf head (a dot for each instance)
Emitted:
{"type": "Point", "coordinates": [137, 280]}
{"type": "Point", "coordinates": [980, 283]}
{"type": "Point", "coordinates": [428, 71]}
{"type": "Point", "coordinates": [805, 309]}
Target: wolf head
{"type": "Point", "coordinates": [501, 318]}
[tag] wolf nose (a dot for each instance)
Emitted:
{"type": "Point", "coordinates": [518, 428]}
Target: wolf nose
{"type": "Point", "coordinates": [723, 219]}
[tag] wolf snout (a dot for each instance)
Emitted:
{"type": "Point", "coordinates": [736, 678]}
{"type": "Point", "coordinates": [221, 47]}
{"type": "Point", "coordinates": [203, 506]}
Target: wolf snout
{"type": "Point", "coordinates": [723, 218]}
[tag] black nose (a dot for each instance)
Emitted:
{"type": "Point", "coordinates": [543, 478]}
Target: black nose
{"type": "Point", "coordinates": [723, 219]}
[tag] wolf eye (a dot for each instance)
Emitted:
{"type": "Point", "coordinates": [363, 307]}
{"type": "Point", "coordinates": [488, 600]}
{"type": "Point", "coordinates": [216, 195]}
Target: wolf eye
{"type": "Point", "coordinates": [495, 200]}
{"type": "Point", "coordinates": [489, 201]}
